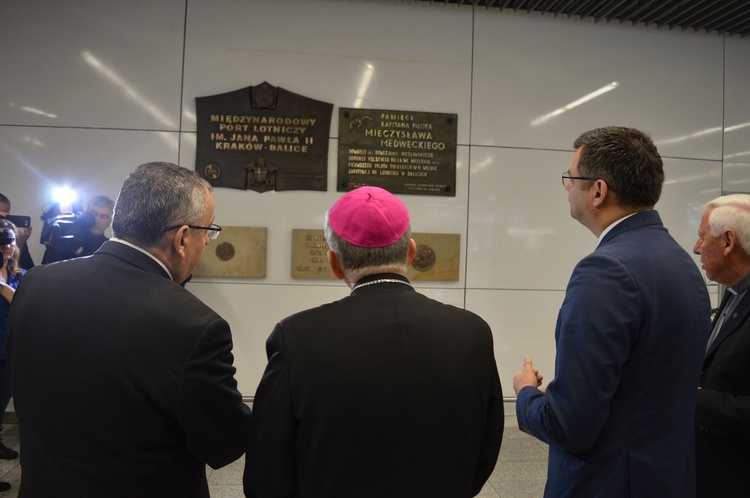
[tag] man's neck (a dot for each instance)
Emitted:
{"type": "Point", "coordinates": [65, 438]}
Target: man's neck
{"type": "Point", "coordinates": [149, 251]}
{"type": "Point", "coordinates": [612, 215]}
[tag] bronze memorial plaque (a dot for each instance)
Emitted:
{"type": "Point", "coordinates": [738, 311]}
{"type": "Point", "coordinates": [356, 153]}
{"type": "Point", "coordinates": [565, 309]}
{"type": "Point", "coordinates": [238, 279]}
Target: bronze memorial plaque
{"type": "Point", "coordinates": [403, 152]}
{"type": "Point", "coordinates": [238, 252]}
{"type": "Point", "coordinates": [437, 259]}
{"type": "Point", "coordinates": [309, 258]}
{"type": "Point", "coordinates": [263, 138]}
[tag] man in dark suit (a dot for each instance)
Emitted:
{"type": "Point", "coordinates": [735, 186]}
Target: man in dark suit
{"type": "Point", "coordinates": [385, 393]}
{"type": "Point", "coordinates": [723, 413]}
{"type": "Point", "coordinates": [630, 336]}
{"type": "Point", "coordinates": [123, 381]}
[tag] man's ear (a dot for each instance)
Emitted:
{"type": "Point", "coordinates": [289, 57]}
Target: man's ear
{"type": "Point", "coordinates": [730, 241]}
{"type": "Point", "coordinates": [601, 191]}
{"type": "Point", "coordinates": [335, 264]}
{"type": "Point", "coordinates": [412, 252]}
{"type": "Point", "coordinates": [179, 240]}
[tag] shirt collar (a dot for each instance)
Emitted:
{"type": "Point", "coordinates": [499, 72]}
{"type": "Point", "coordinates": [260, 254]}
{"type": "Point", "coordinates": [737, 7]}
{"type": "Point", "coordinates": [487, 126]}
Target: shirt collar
{"type": "Point", "coordinates": [614, 224]}
{"type": "Point", "coordinates": [140, 249]}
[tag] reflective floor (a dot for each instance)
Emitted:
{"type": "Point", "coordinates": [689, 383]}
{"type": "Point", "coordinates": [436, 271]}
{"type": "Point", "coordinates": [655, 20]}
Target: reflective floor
{"type": "Point", "coordinates": [520, 472]}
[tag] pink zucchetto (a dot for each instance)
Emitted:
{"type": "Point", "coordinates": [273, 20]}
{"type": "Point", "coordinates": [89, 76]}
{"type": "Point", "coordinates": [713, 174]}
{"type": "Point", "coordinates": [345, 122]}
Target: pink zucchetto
{"type": "Point", "coordinates": [369, 217]}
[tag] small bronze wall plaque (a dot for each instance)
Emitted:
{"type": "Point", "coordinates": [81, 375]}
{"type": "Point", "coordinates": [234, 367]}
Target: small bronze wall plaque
{"type": "Point", "coordinates": [238, 252]}
{"type": "Point", "coordinates": [437, 259]}
{"type": "Point", "coordinates": [263, 138]}
{"type": "Point", "coordinates": [309, 258]}
{"type": "Point", "coordinates": [403, 152]}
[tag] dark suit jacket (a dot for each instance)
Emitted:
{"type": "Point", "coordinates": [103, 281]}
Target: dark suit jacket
{"type": "Point", "coordinates": [385, 393]}
{"type": "Point", "coordinates": [723, 413]}
{"type": "Point", "coordinates": [25, 260]}
{"type": "Point", "coordinates": [123, 381]}
{"type": "Point", "coordinates": [630, 335]}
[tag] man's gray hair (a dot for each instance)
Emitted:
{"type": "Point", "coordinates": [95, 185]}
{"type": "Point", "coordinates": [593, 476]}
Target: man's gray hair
{"type": "Point", "coordinates": [731, 211]}
{"type": "Point", "coordinates": [156, 196]}
{"type": "Point", "coordinates": [358, 262]}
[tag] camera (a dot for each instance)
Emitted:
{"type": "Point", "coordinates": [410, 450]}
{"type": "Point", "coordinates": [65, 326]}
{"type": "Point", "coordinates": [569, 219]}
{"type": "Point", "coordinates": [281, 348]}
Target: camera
{"type": "Point", "coordinates": [65, 226]}
{"type": "Point", "coordinates": [18, 221]}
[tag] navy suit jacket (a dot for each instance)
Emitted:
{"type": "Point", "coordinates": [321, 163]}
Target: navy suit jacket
{"type": "Point", "coordinates": [123, 381]}
{"type": "Point", "coordinates": [723, 413]}
{"type": "Point", "coordinates": [631, 334]}
{"type": "Point", "coordinates": [385, 393]}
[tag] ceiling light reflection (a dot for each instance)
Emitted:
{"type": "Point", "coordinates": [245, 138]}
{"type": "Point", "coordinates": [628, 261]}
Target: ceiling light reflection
{"type": "Point", "coordinates": [699, 177]}
{"type": "Point", "coordinates": [697, 134]}
{"type": "Point", "coordinates": [530, 232]}
{"type": "Point", "coordinates": [127, 89]}
{"type": "Point", "coordinates": [707, 131]}
{"type": "Point", "coordinates": [189, 116]}
{"type": "Point", "coordinates": [736, 127]}
{"type": "Point", "coordinates": [32, 141]}
{"type": "Point", "coordinates": [364, 83]}
{"type": "Point", "coordinates": [738, 154]}
{"type": "Point", "coordinates": [582, 100]}
{"type": "Point", "coordinates": [482, 165]}
{"type": "Point", "coordinates": [33, 110]}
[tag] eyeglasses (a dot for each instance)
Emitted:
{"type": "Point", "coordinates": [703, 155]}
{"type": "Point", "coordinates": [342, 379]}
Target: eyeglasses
{"type": "Point", "coordinates": [212, 231]}
{"type": "Point", "coordinates": [566, 178]}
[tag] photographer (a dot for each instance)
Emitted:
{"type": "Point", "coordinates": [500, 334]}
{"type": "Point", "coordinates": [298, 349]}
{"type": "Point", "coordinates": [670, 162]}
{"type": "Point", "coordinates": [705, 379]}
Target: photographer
{"type": "Point", "coordinates": [25, 260]}
{"type": "Point", "coordinates": [83, 233]}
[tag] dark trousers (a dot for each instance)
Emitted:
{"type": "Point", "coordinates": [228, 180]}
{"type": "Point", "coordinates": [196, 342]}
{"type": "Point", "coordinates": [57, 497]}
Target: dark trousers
{"type": "Point", "coordinates": [5, 392]}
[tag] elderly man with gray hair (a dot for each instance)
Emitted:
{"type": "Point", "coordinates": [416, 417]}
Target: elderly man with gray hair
{"type": "Point", "coordinates": [723, 411]}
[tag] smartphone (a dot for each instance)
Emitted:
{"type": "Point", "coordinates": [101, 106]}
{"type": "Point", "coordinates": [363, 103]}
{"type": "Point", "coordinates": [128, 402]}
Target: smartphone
{"type": "Point", "coordinates": [19, 221]}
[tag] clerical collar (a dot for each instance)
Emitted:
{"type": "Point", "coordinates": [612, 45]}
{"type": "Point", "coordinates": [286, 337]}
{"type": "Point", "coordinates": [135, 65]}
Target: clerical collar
{"type": "Point", "coordinates": [381, 278]}
{"type": "Point", "coordinates": [741, 286]}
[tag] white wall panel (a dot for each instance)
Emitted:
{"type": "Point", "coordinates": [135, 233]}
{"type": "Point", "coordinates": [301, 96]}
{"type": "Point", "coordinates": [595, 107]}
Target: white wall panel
{"type": "Point", "coordinates": [93, 162]}
{"type": "Point", "coordinates": [420, 57]}
{"type": "Point", "coordinates": [521, 235]}
{"type": "Point", "coordinates": [522, 323]}
{"type": "Point", "coordinates": [526, 67]}
{"type": "Point", "coordinates": [737, 103]}
{"type": "Point", "coordinates": [688, 185]}
{"type": "Point", "coordinates": [91, 64]}
{"type": "Point", "coordinates": [736, 177]}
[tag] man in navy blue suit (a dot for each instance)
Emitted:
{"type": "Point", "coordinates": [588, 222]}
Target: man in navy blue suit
{"type": "Point", "coordinates": [631, 333]}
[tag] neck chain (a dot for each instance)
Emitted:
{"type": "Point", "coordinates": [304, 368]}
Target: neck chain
{"type": "Point", "coordinates": [381, 281]}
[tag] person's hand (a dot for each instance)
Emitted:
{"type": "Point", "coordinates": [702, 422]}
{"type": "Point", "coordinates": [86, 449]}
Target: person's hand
{"type": "Point", "coordinates": [527, 376]}
{"type": "Point", "coordinates": [23, 235]}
